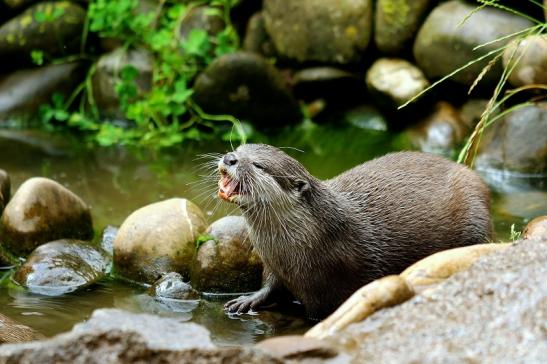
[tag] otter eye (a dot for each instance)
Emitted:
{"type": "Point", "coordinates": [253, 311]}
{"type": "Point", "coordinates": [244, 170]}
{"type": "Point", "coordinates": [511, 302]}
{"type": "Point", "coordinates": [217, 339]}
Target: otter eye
{"type": "Point", "coordinates": [258, 165]}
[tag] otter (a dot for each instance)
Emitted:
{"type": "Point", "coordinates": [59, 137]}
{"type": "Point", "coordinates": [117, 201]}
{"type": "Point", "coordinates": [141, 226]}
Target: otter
{"type": "Point", "coordinates": [323, 240]}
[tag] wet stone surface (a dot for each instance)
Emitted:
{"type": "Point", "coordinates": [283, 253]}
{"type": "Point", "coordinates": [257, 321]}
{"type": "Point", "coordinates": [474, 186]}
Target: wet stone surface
{"type": "Point", "coordinates": [61, 267]}
{"type": "Point", "coordinates": [494, 312]}
{"type": "Point", "coordinates": [227, 262]}
{"type": "Point", "coordinates": [158, 238]}
{"type": "Point", "coordinates": [116, 336]}
{"type": "Point", "coordinates": [518, 142]}
{"type": "Point", "coordinates": [172, 286]}
{"type": "Point", "coordinates": [43, 210]}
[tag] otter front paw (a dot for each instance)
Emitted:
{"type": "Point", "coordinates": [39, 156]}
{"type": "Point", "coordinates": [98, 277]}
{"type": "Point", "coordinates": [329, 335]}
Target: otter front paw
{"type": "Point", "coordinates": [243, 304]}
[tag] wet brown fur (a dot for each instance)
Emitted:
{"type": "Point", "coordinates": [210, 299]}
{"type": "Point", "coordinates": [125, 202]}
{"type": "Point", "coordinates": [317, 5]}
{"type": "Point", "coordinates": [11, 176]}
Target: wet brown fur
{"type": "Point", "coordinates": [326, 239]}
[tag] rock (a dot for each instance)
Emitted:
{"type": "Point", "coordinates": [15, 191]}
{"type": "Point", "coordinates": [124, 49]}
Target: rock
{"type": "Point", "coordinates": [517, 142]}
{"type": "Point", "coordinates": [256, 38]}
{"type": "Point", "coordinates": [319, 30]}
{"type": "Point", "coordinates": [107, 239]}
{"type": "Point", "coordinates": [381, 293]}
{"type": "Point", "coordinates": [437, 267]}
{"type": "Point", "coordinates": [172, 286]}
{"type": "Point", "coordinates": [395, 81]}
{"type": "Point", "coordinates": [530, 56]}
{"type": "Point", "coordinates": [536, 229]}
{"type": "Point", "coordinates": [62, 266]}
{"type": "Point", "coordinates": [227, 262]}
{"type": "Point", "coordinates": [20, 146]}
{"type": "Point", "coordinates": [440, 132]}
{"type": "Point", "coordinates": [108, 75]}
{"type": "Point", "coordinates": [43, 210]}
{"type": "Point", "coordinates": [471, 112]}
{"type": "Point", "coordinates": [335, 85]}
{"type": "Point", "coordinates": [5, 189]}
{"type": "Point", "coordinates": [443, 44]}
{"type": "Point", "coordinates": [248, 87]}
{"type": "Point", "coordinates": [23, 92]}
{"type": "Point", "coordinates": [115, 336]}
{"type": "Point", "coordinates": [202, 17]}
{"type": "Point", "coordinates": [493, 312]}
{"type": "Point", "coordinates": [295, 347]}
{"type": "Point", "coordinates": [396, 23]}
{"type": "Point", "coordinates": [158, 238]}
{"type": "Point", "coordinates": [365, 117]}
{"type": "Point", "coordinates": [7, 260]}
{"type": "Point", "coordinates": [14, 332]}
{"type": "Point", "coordinates": [54, 27]}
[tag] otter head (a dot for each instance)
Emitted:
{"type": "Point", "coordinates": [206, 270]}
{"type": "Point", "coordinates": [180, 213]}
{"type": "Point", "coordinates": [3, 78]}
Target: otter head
{"type": "Point", "coordinates": [259, 174]}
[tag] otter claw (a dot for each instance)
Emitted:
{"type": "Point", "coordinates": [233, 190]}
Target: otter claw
{"type": "Point", "coordinates": [242, 304]}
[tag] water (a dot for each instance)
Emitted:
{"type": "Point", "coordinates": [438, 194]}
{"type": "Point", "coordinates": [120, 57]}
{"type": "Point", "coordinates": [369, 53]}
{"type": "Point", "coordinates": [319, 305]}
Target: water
{"type": "Point", "coordinates": [115, 182]}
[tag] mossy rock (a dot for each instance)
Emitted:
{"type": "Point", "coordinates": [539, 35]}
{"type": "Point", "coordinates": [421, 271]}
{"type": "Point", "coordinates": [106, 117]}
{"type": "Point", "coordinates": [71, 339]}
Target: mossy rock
{"type": "Point", "coordinates": [319, 30]}
{"type": "Point", "coordinates": [54, 27]}
{"type": "Point", "coordinates": [397, 22]}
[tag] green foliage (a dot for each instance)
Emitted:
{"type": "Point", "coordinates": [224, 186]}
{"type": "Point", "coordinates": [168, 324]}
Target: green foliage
{"type": "Point", "coordinates": [37, 57]}
{"type": "Point", "coordinates": [202, 239]}
{"type": "Point", "coordinates": [515, 235]}
{"type": "Point", "coordinates": [165, 115]}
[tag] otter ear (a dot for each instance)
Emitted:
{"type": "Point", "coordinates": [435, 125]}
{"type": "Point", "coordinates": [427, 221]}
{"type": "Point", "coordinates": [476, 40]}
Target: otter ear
{"type": "Point", "coordinates": [302, 186]}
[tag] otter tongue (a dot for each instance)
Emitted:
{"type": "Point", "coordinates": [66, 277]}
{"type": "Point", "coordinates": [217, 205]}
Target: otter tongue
{"type": "Point", "coordinates": [226, 188]}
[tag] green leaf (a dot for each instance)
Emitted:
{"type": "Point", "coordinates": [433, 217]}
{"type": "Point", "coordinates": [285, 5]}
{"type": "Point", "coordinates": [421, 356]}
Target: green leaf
{"type": "Point", "coordinates": [37, 57]}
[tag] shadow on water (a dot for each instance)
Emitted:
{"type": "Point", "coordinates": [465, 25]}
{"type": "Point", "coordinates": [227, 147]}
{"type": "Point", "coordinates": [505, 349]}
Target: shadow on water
{"type": "Point", "coordinates": [117, 181]}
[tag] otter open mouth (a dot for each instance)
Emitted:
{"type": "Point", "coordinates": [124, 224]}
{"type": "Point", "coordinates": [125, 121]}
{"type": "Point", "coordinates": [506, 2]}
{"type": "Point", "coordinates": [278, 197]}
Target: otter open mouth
{"type": "Point", "coordinates": [228, 189]}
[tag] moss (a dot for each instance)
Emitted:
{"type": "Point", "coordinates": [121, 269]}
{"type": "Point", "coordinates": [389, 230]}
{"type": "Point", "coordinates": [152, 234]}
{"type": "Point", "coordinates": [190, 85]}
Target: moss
{"type": "Point", "coordinates": [202, 239]}
{"type": "Point", "coordinates": [395, 12]}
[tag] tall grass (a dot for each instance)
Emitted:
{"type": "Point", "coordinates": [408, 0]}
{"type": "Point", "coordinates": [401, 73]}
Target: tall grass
{"type": "Point", "coordinates": [501, 93]}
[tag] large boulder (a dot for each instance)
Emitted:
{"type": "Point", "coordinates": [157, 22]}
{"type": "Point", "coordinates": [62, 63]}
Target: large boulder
{"type": "Point", "coordinates": [158, 238]}
{"type": "Point", "coordinates": [226, 261]}
{"type": "Point", "coordinates": [43, 210]}
{"type": "Point", "coordinates": [444, 43]}
{"type": "Point", "coordinates": [530, 55]}
{"type": "Point", "coordinates": [319, 30]}
{"type": "Point", "coordinates": [62, 266]}
{"type": "Point", "coordinates": [493, 312]}
{"type": "Point", "coordinates": [116, 336]}
{"type": "Point", "coordinates": [396, 23]}
{"type": "Point", "coordinates": [24, 91]}
{"type": "Point", "coordinates": [108, 74]}
{"type": "Point", "coordinates": [518, 142]}
{"type": "Point", "coordinates": [5, 189]}
{"type": "Point", "coordinates": [246, 85]}
{"type": "Point", "coordinates": [54, 27]}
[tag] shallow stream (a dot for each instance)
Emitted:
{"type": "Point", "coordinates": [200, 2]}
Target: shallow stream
{"type": "Point", "coordinates": [115, 182]}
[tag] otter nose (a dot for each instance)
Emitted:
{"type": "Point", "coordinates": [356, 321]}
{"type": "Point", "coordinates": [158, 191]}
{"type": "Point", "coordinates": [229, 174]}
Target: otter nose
{"type": "Point", "coordinates": [230, 159]}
